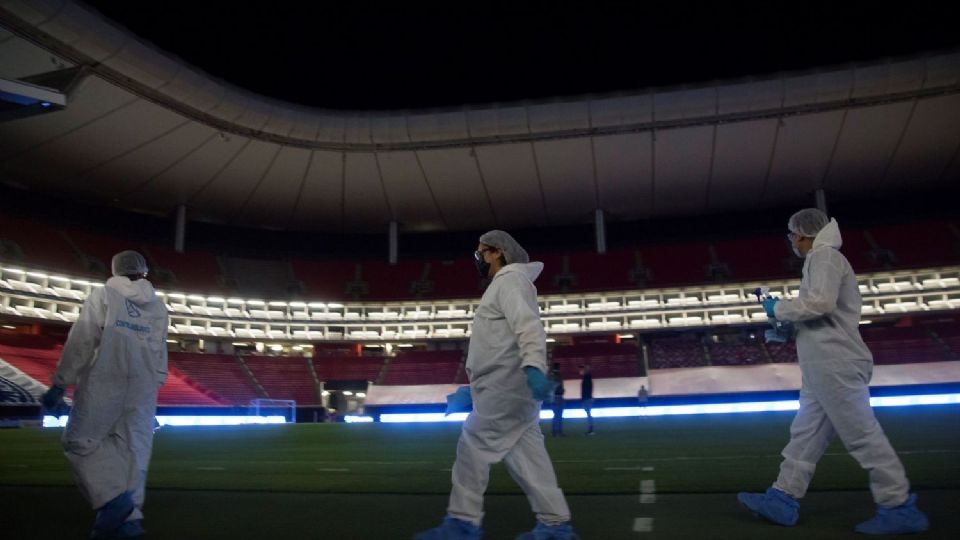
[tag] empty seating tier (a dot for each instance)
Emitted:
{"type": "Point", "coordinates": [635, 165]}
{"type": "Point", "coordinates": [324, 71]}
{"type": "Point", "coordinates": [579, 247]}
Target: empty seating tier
{"type": "Point", "coordinates": [220, 373]}
{"type": "Point", "coordinates": [423, 367]}
{"type": "Point", "coordinates": [606, 360]}
{"type": "Point", "coordinates": [348, 368]}
{"type": "Point", "coordinates": [284, 377]}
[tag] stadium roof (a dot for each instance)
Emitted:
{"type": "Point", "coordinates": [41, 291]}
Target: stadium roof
{"type": "Point", "coordinates": [364, 55]}
{"type": "Point", "coordinates": [147, 131]}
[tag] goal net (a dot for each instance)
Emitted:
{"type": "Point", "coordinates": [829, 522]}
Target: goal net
{"type": "Point", "coordinates": [287, 408]}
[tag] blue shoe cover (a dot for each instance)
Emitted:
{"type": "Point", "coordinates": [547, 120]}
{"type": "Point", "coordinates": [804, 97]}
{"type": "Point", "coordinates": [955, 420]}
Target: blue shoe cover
{"type": "Point", "coordinates": [452, 529]}
{"type": "Point", "coordinates": [546, 532]}
{"type": "Point", "coordinates": [903, 519]}
{"type": "Point", "coordinates": [774, 505]}
{"type": "Point", "coordinates": [112, 515]}
{"type": "Point", "coordinates": [130, 529]}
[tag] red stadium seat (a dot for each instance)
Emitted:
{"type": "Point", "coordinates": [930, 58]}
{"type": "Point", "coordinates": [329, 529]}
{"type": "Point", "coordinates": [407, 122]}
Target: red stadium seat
{"type": "Point", "coordinates": [285, 377]}
{"type": "Point", "coordinates": [219, 373]}
{"type": "Point", "coordinates": [606, 360]}
{"type": "Point", "coordinates": [676, 352]}
{"type": "Point", "coordinates": [423, 367]}
{"type": "Point", "coordinates": [348, 368]}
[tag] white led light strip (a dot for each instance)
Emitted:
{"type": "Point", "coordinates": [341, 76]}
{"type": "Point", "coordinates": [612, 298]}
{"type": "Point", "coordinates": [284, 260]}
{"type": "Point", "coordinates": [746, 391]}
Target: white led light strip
{"type": "Point", "coordinates": [30, 294]}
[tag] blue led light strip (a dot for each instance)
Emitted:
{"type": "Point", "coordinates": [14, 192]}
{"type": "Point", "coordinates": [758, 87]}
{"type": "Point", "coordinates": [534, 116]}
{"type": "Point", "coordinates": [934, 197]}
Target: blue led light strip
{"type": "Point", "coordinates": [603, 412]}
{"type": "Point", "coordinates": [707, 408]}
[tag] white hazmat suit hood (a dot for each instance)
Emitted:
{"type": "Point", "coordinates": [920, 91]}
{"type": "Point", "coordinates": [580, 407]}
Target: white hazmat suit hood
{"type": "Point", "coordinates": [139, 292]}
{"type": "Point", "coordinates": [829, 236]}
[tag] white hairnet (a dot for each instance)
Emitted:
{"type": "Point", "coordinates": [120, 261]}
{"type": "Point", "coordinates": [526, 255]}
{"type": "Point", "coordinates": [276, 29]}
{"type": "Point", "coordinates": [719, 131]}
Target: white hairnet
{"type": "Point", "coordinates": [512, 251]}
{"type": "Point", "coordinates": [808, 222]}
{"type": "Point", "coordinates": [128, 263]}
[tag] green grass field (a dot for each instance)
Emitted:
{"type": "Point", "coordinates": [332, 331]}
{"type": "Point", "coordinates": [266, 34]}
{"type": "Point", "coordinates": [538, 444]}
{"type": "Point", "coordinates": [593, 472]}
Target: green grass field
{"type": "Point", "coordinates": [389, 480]}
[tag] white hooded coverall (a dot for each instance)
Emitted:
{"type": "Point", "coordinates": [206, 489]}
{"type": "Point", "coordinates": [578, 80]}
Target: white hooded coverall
{"type": "Point", "coordinates": [507, 335]}
{"type": "Point", "coordinates": [836, 367]}
{"type": "Point", "coordinates": [116, 355]}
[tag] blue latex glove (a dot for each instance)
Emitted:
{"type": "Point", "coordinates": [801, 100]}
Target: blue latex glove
{"type": "Point", "coordinates": [52, 397]}
{"type": "Point", "coordinates": [541, 387]}
{"type": "Point", "coordinates": [459, 401]}
{"type": "Point", "coordinates": [780, 333]}
{"type": "Point", "coordinates": [768, 304]}
{"type": "Point", "coordinates": [772, 336]}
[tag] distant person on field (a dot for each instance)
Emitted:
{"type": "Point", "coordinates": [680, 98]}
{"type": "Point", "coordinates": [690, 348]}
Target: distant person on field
{"type": "Point", "coordinates": [558, 402]}
{"type": "Point", "coordinates": [586, 394]}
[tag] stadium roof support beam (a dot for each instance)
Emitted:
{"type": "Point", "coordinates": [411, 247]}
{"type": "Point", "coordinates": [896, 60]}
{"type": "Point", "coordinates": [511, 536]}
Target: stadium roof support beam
{"type": "Point", "coordinates": [820, 197]}
{"type": "Point", "coordinates": [394, 241]}
{"type": "Point", "coordinates": [600, 230]}
{"type": "Point", "coordinates": [180, 228]}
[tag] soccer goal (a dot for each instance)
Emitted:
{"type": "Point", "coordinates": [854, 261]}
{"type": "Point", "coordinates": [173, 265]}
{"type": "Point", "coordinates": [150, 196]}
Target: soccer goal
{"type": "Point", "coordinates": [262, 407]}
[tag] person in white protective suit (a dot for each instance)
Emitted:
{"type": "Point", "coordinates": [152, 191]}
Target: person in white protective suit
{"type": "Point", "coordinates": [116, 355]}
{"type": "Point", "coordinates": [836, 367]}
{"type": "Point", "coordinates": [506, 364]}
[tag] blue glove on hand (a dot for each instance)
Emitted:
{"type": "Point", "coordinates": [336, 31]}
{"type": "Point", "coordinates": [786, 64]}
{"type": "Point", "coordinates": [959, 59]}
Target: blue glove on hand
{"type": "Point", "coordinates": [780, 333]}
{"type": "Point", "coordinates": [768, 304]}
{"type": "Point", "coordinates": [52, 397]}
{"type": "Point", "coordinates": [459, 401]}
{"type": "Point", "coordinates": [541, 387]}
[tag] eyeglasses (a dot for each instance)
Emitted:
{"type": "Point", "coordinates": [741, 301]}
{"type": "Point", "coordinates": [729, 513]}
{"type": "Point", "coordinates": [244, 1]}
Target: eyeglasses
{"type": "Point", "coordinates": [478, 254]}
{"type": "Point", "coordinates": [793, 236]}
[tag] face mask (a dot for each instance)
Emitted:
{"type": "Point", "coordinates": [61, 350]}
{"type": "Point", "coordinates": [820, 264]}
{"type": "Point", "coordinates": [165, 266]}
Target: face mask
{"type": "Point", "coordinates": [793, 238]}
{"type": "Point", "coordinates": [483, 267]}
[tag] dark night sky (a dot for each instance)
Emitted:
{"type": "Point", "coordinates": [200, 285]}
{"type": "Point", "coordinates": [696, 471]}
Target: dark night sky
{"type": "Point", "coordinates": [368, 55]}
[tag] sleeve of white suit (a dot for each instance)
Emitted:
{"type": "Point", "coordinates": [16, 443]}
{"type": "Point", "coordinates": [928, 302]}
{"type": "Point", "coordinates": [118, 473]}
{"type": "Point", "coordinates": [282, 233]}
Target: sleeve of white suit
{"type": "Point", "coordinates": [824, 274]}
{"type": "Point", "coordinates": [83, 340]}
{"type": "Point", "coordinates": [518, 300]}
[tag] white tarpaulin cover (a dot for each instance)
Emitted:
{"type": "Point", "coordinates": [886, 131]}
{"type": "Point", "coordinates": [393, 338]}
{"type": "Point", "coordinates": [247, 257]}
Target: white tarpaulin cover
{"type": "Point", "coordinates": [686, 381]}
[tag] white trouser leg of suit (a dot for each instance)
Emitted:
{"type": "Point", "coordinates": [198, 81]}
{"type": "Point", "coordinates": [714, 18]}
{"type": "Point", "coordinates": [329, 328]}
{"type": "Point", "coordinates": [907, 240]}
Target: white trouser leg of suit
{"type": "Point", "coordinates": [99, 466]}
{"type": "Point", "coordinates": [528, 464]}
{"type": "Point", "coordinates": [835, 400]}
{"type": "Point", "coordinates": [108, 442]}
{"type": "Point", "coordinates": [810, 434]}
{"type": "Point", "coordinates": [138, 426]}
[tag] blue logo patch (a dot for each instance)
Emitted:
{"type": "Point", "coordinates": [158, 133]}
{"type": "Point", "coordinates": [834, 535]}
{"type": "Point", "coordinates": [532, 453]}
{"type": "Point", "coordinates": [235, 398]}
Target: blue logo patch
{"type": "Point", "coordinates": [132, 310]}
{"type": "Point", "coordinates": [135, 327]}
